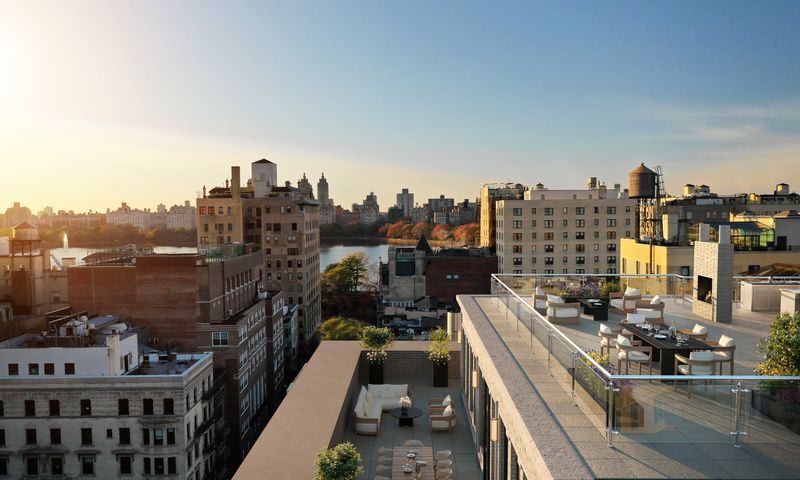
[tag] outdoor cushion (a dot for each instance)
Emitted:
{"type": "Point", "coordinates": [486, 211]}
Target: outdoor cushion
{"type": "Point", "coordinates": [539, 303]}
{"type": "Point", "coordinates": [554, 299]}
{"type": "Point", "coordinates": [448, 411]}
{"type": "Point", "coordinates": [540, 291]}
{"type": "Point", "coordinates": [635, 318]}
{"type": "Point", "coordinates": [446, 401]}
{"type": "Point", "coordinates": [649, 313]}
{"type": "Point", "coordinates": [562, 312]}
{"type": "Point", "coordinates": [632, 292]}
{"type": "Point", "coordinates": [605, 328]}
{"type": "Point", "coordinates": [699, 329]}
{"type": "Point", "coordinates": [656, 300]}
{"type": "Point", "coordinates": [617, 303]}
{"type": "Point", "coordinates": [699, 369]}
{"type": "Point", "coordinates": [634, 356]}
{"type": "Point", "coordinates": [724, 341]}
{"type": "Point", "coordinates": [623, 341]}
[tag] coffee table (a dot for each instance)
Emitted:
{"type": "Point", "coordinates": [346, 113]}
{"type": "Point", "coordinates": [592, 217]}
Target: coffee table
{"type": "Point", "coordinates": [598, 310]}
{"type": "Point", "coordinates": [405, 418]}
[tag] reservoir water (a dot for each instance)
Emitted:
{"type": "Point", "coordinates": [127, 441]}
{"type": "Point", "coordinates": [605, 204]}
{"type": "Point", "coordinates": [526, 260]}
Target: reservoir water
{"type": "Point", "coordinates": [329, 253]}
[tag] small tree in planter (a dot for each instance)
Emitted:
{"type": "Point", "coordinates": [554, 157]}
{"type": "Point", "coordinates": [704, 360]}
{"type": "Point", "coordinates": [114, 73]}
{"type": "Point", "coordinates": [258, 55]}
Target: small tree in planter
{"type": "Point", "coordinates": [342, 462]}
{"type": "Point", "coordinates": [608, 288]}
{"type": "Point", "coordinates": [376, 340]}
{"type": "Point", "coordinates": [439, 355]}
{"type": "Point", "coordinates": [775, 399]}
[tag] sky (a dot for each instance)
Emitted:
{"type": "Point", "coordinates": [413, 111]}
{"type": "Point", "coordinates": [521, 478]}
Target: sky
{"type": "Point", "coordinates": [145, 102]}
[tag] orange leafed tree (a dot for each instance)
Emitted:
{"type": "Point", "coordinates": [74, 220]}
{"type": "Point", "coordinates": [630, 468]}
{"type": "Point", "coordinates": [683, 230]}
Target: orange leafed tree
{"type": "Point", "coordinates": [441, 232]}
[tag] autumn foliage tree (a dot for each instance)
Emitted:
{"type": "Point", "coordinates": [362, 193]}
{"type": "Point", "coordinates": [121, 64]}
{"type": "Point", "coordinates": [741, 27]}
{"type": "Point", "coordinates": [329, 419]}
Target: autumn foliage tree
{"type": "Point", "coordinates": [441, 232]}
{"type": "Point", "coordinates": [466, 234]}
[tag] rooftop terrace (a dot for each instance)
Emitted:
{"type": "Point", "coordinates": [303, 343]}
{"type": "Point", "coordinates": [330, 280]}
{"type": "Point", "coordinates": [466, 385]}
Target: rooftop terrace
{"type": "Point", "coordinates": [659, 431]}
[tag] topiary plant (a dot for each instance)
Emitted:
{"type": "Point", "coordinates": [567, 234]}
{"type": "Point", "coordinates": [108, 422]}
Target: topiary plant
{"type": "Point", "coordinates": [781, 348]}
{"type": "Point", "coordinates": [342, 462]}
{"type": "Point", "coordinates": [439, 348]}
{"type": "Point", "coordinates": [376, 340]}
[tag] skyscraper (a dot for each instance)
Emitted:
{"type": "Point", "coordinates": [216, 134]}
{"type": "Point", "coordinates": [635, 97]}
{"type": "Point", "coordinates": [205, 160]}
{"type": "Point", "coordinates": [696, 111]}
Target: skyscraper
{"type": "Point", "coordinates": [405, 201]}
{"type": "Point", "coordinates": [326, 207]}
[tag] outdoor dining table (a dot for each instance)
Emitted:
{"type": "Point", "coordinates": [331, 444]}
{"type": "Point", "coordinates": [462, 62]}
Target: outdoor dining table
{"type": "Point", "coordinates": [399, 460]}
{"type": "Point", "coordinates": [664, 349]}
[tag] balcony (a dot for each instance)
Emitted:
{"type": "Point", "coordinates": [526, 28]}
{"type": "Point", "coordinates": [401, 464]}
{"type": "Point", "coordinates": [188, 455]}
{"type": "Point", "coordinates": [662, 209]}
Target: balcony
{"type": "Point", "coordinates": [648, 426]}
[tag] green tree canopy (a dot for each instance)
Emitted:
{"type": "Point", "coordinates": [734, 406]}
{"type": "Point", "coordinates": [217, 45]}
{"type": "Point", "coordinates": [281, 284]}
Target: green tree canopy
{"type": "Point", "coordinates": [341, 328]}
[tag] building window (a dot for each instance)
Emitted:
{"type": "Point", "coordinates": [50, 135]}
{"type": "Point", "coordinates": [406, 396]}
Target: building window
{"type": "Point", "coordinates": [125, 465]}
{"type": "Point", "coordinates": [55, 436]}
{"type": "Point", "coordinates": [564, 259]}
{"type": "Point", "coordinates": [517, 212]}
{"type": "Point", "coordinates": [49, 369]}
{"type": "Point", "coordinates": [30, 436]}
{"type": "Point", "coordinates": [548, 224]}
{"type": "Point", "coordinates": [580, 260]}
{"type": "Point", "coordinates": [158, 466]}
{"type": "Point", "coordinates": [611, 259]}
{"type": "Point", "coordinates": [169, 406]}
{"type": "Point", "coordinates": [87, 464]}
{"type": "Point", "coordinates": [146, 436]}
{"type": "Point", "coordinates": [158, 436]}
{"type": "Point", "coordinates": [172, 466]}
{"type": "Point", "coordinates": [547, 236]}
{"type": "Point", "coordinates": [86, 407]}
{"type": "Point", "coordinates": [580, 223]}
{"type": "Point", "coordinates": [611, 222]}
{"type": "Point", "coordinates": [33, 369]}
{"type": "Point", "coordinates": [122, 407]}
{"type": "Point", "coordinates": [611, 235]}
{"type": "Point", "coordinates": [533, 223]}
{"type": "Point", "coordinates": [549, 248]}
{"type": "Point", "coordinates": [69, 369]}
{"type": "Point", "coordinates": [580, 210]}
{"type": "Point", "coordinates": [147, 406]}
{"type": "Point", "coordinates": [170, 436]}
{"type": "Point", "coordinates": [32, 465]}
{"type": "Point", "coordinates": [56, 465]}
{"type": "Point", "coordinates": [13, 369]}
{"type": "Point", "coordinates": [611, 210]}
{"type": "Point", "coordinates": [565, 223]}
{"type": "Point", "coordinates": [86, 436]}
{"type": "Point", "coordinates": [30, 408]}
{"type": "Point", "coordinates": [611, 247]}
{"type": "Point", "coordinates": [55, 408]}
{"type": "Point", "coordinates": [219, 339]}
{"type": "Point", "coordinates": [2, 437]}
{"type": "Point", "coordinates": [579, 248]}
{"type": "Point", "coordinates": [516, 224]}
{"type": "Point", "coordinates": [548, 211]}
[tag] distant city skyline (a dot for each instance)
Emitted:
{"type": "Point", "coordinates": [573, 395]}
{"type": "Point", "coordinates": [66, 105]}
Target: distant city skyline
{"type": "Point", "coordinates": [145, 102]}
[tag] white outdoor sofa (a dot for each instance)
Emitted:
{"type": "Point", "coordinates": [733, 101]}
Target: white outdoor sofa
{"type": "Point", "coordinates": [374, 401]}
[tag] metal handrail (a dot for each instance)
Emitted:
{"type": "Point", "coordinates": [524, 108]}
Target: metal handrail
{"type": "Point", "coordinates": [566, 340]}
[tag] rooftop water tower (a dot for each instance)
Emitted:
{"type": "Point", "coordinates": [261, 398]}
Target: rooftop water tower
{"type": "Point", "coordinates": [647, 187]}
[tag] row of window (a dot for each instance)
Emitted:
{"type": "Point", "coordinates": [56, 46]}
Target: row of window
{"type": "Point", "coordinates": [580, 247]}
{"type": "Point", "coordinates": [49, 369]}
{"type": "Point", "coordinates": [518, 237]}
{"type": "Point", "coordinates": [123, 407]}
{"type": "Point", "coordinates": [579, 271]}
{"type": "Point", "coordinates": [579, 223]}
{"type": "Point", "coordinates": [611, 260]}
{"type": "Point", "coordinates": [210, 210]}
{"type": "Point", "coordinates": [549, 211]}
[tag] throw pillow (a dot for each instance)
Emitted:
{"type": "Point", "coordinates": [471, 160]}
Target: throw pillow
{"type": "Point", "coordinates": [448, 411]}
{"type": "Point", "coordinates": [446, 401]}
{"type": "Point", "coordinates": [726, 341]}
{"type": "Point", "coordinates": [623, 341]}
{"type": "Point", "coordinates": [605, 328]}
{"type": "Point", "coordinates": [656, 300]}
{"type": "Point", "coordinates": [554, 299]}
{"type": "Point", "coordinates": [632, 292]}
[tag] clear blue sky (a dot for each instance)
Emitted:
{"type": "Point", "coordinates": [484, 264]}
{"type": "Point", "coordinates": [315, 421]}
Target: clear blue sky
{"type": "Point", "coordinates": [147, 101]}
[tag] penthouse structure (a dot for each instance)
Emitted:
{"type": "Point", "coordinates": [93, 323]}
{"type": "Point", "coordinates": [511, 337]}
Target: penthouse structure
{"type": "Point", "coordinates": [86, 400]}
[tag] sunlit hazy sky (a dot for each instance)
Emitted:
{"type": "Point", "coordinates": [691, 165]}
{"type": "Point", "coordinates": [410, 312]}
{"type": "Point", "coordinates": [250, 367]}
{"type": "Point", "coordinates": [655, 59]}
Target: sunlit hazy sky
{"type": "Point", "coordinates": [146, 102]}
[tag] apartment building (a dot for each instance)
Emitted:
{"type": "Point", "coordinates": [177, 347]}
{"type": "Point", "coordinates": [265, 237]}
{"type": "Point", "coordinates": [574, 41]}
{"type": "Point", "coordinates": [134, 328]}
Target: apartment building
{"type": "Point", "coordinates": [563, 231]}
{"type": "Point", "coordinates": [86, 402]}
{"type": "Point", "coordinates": [283, 222]}
{"type": "Point", "coordinates": [490, 194]}
{"type": "Point", "coordinates": [189, 302]}
{"type": "Point", "coordinates": [405, 202]}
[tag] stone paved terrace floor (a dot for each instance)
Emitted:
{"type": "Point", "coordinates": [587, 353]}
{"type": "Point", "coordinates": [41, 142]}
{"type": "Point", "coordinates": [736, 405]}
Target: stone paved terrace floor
{"type": "Point", "coordinates": [459, 441]}
{"type": "Point", "coordinates": [682, 437]}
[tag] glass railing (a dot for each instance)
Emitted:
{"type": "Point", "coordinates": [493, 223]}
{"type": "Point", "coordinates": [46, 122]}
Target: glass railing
{"type": "Point", "coordinates": [650, 408]}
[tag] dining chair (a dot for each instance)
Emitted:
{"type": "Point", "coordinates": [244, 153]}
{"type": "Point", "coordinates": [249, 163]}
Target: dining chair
{"type": "Point", "coordinates": [698, 332]}
{"type": "Point", "coordinates": [635, 318]}
{"type": "Point", "coordinates": [608, 337]}
{"type": "Point", "coordinates": [699, 363]}
{"type": "Point", "coordinates": [385, 461]}
{"type": "Point", "coordinates": [444, 474]}
{"type": "Point", "coordinates": [724, 350]}
{"type": "Point", "coordinates": [386, 452]}
{"type": "Point", "coordinates": [628, 352]}
{"type": "Point", "coordinates": [443, 464]}
{"type": "Point", "coordinates": [413, 443]}
{"type": "Point", "coordinates": [443, 455]}
{"type": "Point", "coordinates": [380, 477]}
{"type": "Point", "coordinates": [383, 470]}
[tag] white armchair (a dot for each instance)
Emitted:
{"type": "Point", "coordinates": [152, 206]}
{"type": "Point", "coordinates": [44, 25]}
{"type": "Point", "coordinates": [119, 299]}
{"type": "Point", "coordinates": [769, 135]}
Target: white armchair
{"type": "Point", "coordinates": [559, 312]}
{"type": "Point", "coordinates": [653, 309]}
{"type": "Point", "coordinates": [539, 298]}
{"type": "Point", "coordinates": [445, 421]}
{"type": "Point", "coordinates": [698, 363]}
{"type": "Point", "coordinates": [723, 353]}
{"type": "Point", "coordinates": [625, 301]}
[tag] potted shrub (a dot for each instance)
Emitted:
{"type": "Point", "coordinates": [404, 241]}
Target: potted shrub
{"type": "Point", "coordinates": [376, 340]}
{"type": "Point", "coordinates": [439, 355]}
{"type": "Point", "coordinates": [780, 400]}
{"type": "Point", "coordinates": [608, 288]}
{"type": "Point", "coordinates": [342, 462]}
{"type": "Point", "coordinates": [574, 291]}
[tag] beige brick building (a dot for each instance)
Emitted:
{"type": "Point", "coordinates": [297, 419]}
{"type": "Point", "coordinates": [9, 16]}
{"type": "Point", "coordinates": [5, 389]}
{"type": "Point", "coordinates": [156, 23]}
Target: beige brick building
{"type": "Point", "coordinates": [563, 231]}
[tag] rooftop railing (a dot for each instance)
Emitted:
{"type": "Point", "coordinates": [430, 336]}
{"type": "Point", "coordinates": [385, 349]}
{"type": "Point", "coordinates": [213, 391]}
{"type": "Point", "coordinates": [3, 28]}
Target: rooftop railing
{"type": "Point", "coordinates": [653, 408]}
